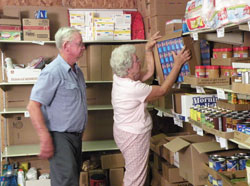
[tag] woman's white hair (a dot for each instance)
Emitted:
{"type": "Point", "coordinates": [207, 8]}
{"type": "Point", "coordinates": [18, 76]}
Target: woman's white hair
{"type": "Point", "coordinates": [64, 34]}
{"type": "Point", "coordinates": [121, 59]}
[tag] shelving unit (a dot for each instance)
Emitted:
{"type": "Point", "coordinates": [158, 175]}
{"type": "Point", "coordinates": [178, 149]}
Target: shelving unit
{"type": "Point", "coordinates": [33, 150]}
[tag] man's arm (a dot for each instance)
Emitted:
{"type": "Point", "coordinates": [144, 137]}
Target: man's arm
{"type": "Point", "coordinates": [37, 119]}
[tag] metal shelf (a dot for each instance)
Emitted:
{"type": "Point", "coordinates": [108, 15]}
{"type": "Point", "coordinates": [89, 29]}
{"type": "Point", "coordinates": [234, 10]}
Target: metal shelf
{"type": "Point", "coordinates": [34, 149]}
{"type": "Point", "coordinates": [4, 85]}
{"type": "Point", "coordinates": [87, 42]}
{"type": "Point", "coordinates": [9, 111]}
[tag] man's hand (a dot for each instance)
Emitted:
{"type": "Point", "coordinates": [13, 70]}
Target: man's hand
{"type": "Point", "coordinates": [46, 146]}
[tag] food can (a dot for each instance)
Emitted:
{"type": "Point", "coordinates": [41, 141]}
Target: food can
{"type": "Point", "coordinates": [219, 164]}
{"type": "Point", "coordinates": [242, 162]}
{"type": "Point", "coordinates": [232, 163]}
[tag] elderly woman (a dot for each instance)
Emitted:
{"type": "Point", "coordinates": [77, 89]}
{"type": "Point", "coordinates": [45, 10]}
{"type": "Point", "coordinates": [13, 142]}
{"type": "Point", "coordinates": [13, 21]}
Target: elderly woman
{"type": "Point", "coordinates": [132, 121]}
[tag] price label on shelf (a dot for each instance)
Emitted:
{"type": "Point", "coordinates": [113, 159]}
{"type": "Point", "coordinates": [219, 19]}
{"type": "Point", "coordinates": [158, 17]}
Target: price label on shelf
{"type": "Point", "coordinates": [220, 32]}
{"type": "Point", "coordinates": [38, 42]}
{"type": "Point", "coordinates": [221, 94]}
{"type": "Point", "coordinates": [248, 25]}
{"type": "Point", "coordinates": [223, 142]}
{"type": "Point", "coordinates": [159, 113]}
{"type": "Point", "coordinates": [195, 36]}
{"type": "Point", "coordinates": [26, 114]}
{"type": "Point", "coordinates": [200, 89]}
{"type": "Point", "coordinates": [200, 131]}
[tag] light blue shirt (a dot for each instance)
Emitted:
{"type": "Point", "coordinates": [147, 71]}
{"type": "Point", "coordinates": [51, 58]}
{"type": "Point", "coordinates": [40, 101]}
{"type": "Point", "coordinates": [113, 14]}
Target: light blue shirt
{"type": "Point", "coordinates": [62, 93]}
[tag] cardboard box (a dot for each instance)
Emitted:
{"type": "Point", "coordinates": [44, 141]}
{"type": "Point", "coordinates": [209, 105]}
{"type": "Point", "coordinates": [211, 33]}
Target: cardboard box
{"type": "Point", "coordinates": [10, 26]}
{"type": "Point", "coordinates": [157, 165]}
{"type": "Point", "coordinates": [161, 7]}
{"type": "Point", "coordinates": [171, 173]}
{"type": "Point", "coordinates": [57, 15]}
{"type": "Point", "coordinates": [241, 88]}
{"type": "Point", "coordinates": [206, 81]}
{"type": "Point", "coordinates": [112, 161]}
{"type": "Point", "coordinates": [228, 61]}
{"type": "Point", "coordinates": [164, 182]}
{"type": "Point", "coordinates": [23, 75]}
{"type": "Point", "coordinates": [45, 182]}
{"type": "Point", "coordinates": [36, 30]}
{"type": "Point", "coordinates": [238, 107]}
{"type": "Point", "coordinates": [84, 179]}
{"type": "Point", "coordinates": [192, 154]}
{"type": "Point", "coordinates": [157, 23]}
{"type": "Point", "coordinates": [166, 153]}
{"type": "Point", "coordinates": [188, 42]}
{"type": "Point", "coordinates": [116, 176]}
{"type": "Point", "coordinates": [156, 143]}
{"type": "Point", "coordinates": [183, 102]}
{"type": "Point", "coordinates": [241, 137]}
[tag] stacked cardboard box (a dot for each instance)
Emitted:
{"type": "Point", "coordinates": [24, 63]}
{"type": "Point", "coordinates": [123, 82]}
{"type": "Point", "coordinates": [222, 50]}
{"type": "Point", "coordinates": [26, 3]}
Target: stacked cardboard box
{"type": "Point", "coordinates": [115, 163]}
{"type": "Point", "coordinates": [164, 172]}
{"type": "Point", "coordinates": [156, 12]}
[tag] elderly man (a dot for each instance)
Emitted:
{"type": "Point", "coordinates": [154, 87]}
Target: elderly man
{"type": "Point", "coordinates": [58, 109]}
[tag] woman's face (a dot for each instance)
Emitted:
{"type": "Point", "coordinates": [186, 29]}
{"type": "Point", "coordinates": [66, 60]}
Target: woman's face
{"type": "Point", "coordinates": [136, 67]}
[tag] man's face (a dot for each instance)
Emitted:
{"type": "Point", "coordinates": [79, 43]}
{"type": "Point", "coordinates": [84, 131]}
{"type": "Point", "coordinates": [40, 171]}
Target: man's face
{"type": "Point", "coordinates": [76, 46]}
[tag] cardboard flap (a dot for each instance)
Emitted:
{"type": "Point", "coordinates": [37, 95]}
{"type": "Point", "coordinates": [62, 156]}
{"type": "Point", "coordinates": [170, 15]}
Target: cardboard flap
{"type": "Point", "coordinates": [176, 144]}
{"type": "Point", "coordinates": [210, 146]}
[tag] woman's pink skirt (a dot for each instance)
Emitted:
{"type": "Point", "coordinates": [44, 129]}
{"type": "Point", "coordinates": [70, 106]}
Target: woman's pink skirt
{"type": "Point", "coordinates": [135, 150]}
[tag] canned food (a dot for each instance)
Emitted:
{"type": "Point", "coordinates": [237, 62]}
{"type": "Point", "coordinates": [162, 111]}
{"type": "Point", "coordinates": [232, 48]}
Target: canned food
{"type": "Point", "coordinates": [210, 178]}
{"type": "Point", "coordinates": [219, 164]}
{"type": "Point", "coordinates": [232, 163]}
{"type": "Point", "coordinates": [242, 162]}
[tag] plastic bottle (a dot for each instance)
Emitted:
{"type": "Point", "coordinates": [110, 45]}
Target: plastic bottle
{"type": "Point", "coordinates": [9, 63]}
{"type": "Point", "coordinates": [20, 178]}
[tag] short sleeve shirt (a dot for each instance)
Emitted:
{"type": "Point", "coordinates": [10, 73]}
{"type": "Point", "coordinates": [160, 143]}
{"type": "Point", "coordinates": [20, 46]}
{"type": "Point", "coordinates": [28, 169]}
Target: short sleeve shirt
{"type": "Point", "coordinates": [130, 108]}
{"type": "Point", "coordinates": [62, 93]}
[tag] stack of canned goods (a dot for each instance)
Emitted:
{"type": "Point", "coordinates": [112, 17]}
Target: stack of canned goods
{"type": "Point", "coordinates": [222, 119]}
{"type": "Point", "coordinates": [229, 163]}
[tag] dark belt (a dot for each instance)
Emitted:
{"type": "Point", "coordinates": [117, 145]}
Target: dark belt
{"type": "Point", "coordinates": [74, 133]}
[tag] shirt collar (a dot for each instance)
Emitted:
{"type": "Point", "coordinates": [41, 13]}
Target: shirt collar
{"type": "Point", "coordinates": [66, 66]}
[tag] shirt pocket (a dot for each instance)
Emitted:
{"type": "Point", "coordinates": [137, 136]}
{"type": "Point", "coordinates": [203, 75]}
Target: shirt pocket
{"type": "Point", "coordinates": [69, 90]}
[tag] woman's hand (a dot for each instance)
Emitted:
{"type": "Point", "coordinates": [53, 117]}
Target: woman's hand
{"type": "Point", "coordinates": [151, 42]}
{"type": "Point", "coordinates": [183, 56]}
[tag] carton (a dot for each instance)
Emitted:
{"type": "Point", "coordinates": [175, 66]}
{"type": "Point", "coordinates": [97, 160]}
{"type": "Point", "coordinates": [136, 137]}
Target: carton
{"type": "Point", "coordinates": [161, 7]}
{"type": "Point", "coordinates": [183, 102]}
{"type": "Point", "coordinates": [192, 154]}
{"type": "Point", "coordinates": [157, 23]}
{"type": "Point", "coordinates": [238, 107]}
{"type": "Point", "coordinates": [23, 75]}
{"type": "Point", "coordinates": [241, 88]}
{"type": "Point", "coordinates": [84, 180]}
{"type": "Point", "coordinates": [242, 138]}
{"type": "Point", "coordinates": [166, 153]}
{"type": "Point", "coordinates": [228, 61]}
{"type": "Point", "coordinates": [171, 173]}
{"type": "Point", "coordinates": [188, 42]}
{"type": "Point", "coordinates": [57, 15]}
{"type": "Point", "coordinates": [10, 27]}
{"type": "Point", "coordinates": [156, 143]}
{"type": "Point", "coordinates": [116, 176]}
{"type": "Point", "coordinates": [112, 161]}
{"type": "Point", "coordinates": [36, 30]}
{"type": "Point", "coordinates": [206, 81]}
